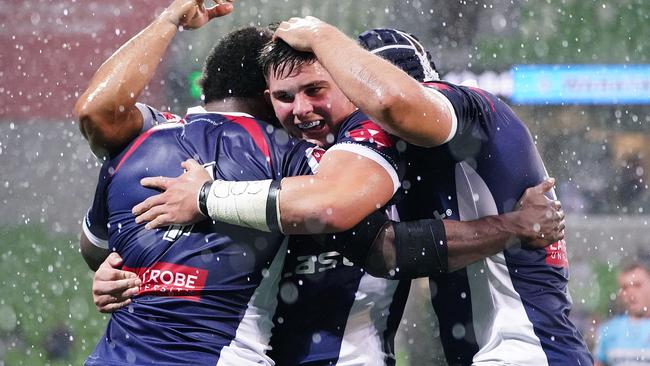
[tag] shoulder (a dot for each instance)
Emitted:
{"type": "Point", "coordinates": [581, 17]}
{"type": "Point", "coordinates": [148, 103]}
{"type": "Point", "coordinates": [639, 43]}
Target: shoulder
{"type": "Point", "coordinates": [152, 116]}
{"type": "Point", "coordinates": [614, 324]}
{"type": "Point", "coordinates": [358, 127]}
{"type": "Point", "coordinates": [464, 95]}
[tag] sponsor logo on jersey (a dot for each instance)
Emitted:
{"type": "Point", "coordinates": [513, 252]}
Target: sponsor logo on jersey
{"type": "Point", "coordinates": [369, 131]}
{"type": "Point", "coordinates": [556, 254]}
{"type": "Point", "coordinates": [169, 279]}
{"type": "Point", "coordinates": [314, 264]}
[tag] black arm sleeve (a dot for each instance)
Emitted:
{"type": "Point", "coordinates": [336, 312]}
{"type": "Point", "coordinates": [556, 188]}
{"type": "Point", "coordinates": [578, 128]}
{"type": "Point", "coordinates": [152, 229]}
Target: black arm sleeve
{"type": "Point", "coordinates": [420, 248]}
{"type": "Point", "coordinates": [396, 250]}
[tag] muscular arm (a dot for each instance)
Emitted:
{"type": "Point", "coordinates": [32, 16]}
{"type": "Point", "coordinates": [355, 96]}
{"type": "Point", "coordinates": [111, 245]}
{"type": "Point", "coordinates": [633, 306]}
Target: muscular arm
{"type": "Point", "coordinates": [334, 199]}
{"type": "Point", "coordinates": [428, 247]}
{"type": "Point", "coordinates": [471, 241]}
{"type": "Point", "coordinates": [92, 254]}
{"type": "Point", "coordinates": [389, 96]}
{"type": "Point", "coordinates": [106, 111]}
{"type": "Point", "coordinates": [467, 242]}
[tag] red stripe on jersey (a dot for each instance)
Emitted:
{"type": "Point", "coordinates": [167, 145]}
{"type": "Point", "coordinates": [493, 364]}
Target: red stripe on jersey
{"type": "Point", "coordinates": [256, 133]}
{"type": "Point", "coordinates": [169, 279]}
{"type": "Point", "coordinates": [133, 147]}
{"type": "Point", "coordinates": [143, 137]}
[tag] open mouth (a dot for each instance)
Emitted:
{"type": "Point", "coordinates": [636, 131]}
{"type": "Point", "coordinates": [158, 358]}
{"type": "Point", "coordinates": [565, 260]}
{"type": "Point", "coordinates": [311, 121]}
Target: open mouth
{"type": "Point", "coordinates": [309, 125]}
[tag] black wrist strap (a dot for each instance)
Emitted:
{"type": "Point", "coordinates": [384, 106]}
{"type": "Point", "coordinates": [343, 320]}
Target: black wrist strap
{"type": "Point", "coordinates": [421, 248]}
{"type": "Point", "coordinates": [203, 198]}
{"type": "Point", "coordinates": [272, 219]}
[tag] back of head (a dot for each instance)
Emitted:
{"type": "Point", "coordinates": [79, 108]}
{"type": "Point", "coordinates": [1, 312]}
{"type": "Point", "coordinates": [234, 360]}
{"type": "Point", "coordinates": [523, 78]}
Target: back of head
{"type": "Point", "coordinates": [281, 60]}
{"type": "Point", "coordinates": [402, 49]}
{"type": "Point", "coordinates": [232, 70]}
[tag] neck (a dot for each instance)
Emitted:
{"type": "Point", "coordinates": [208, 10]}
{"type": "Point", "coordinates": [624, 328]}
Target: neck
{"type": "Point", "coordinates": [256, 107]}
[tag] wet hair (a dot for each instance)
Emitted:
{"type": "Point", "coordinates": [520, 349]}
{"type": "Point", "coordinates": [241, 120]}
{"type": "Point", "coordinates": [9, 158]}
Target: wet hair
{"type": "Point", "coordinates": [232, 70]}
{"type": "Point", "coordinates": [402, 49]}
{"type": "Point", "coordinates": [281, 60]}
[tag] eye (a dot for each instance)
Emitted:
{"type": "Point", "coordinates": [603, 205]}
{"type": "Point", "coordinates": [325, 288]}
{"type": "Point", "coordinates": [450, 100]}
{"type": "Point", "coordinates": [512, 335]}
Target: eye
{"type": "Point", "coordinates": [314, 90]}
{"type": "Point", "coordinates": [283, 97]}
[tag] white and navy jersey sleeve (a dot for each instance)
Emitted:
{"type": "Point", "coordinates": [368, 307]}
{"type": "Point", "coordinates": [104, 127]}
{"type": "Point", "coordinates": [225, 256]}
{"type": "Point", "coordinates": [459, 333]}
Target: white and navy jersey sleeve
{"type": "Point", "coordinates": [95, 223]}
{"type": "Point", "coordinates": [359, 135]}
{"type": "Point", "coordinates": [152, 117]}
{"type": "Point", "coordinates": [476, 113]}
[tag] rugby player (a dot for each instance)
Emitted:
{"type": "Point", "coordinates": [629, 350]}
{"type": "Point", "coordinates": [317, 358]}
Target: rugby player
{"type": "Point", "coordinates": [509, 308]}
{"type": "Point", "coordinates": [208, 291]}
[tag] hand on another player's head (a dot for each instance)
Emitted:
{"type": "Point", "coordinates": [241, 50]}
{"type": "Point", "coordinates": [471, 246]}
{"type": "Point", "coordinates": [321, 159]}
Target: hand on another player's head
{"type": "Point", "coordinates": [112, 287]}
{"type": "Point", "coordinates": [192, 14]}
{"type": "Point", "coordinates": [541, 219]}
{"type": "Point", "coordinates": [300, 33]}
{"type": "Point", "coordinates": [178, 203]}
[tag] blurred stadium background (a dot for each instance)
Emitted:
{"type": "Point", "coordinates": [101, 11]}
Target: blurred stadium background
{"type": "Point", "coordinates": [577, 71]}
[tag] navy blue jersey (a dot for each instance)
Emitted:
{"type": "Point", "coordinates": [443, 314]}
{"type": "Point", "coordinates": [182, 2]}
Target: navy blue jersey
{"type": "Point", "coordinates": [329, 310]}
{"type": "Point", "coordinates": [224, 318]}
{"type": "Point", "coordinates": [513, 306]}
{"type": "Point", "coordinates": [209, 290]}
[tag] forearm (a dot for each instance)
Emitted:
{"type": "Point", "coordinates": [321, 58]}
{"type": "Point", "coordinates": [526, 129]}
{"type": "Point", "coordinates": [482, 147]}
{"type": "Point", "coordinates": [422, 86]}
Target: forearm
{"type": "Point", "coordinates": [471, 241]}
{"type": "Point", "coordinates": [332, 200]}
{"type": "Point", "coordinates": [315, 205]}
{"type": "Point", "coordinates": [428, 247]}
{"type": "Point", "coordinates": [106, 111]}
{"type": "Point", "coordinates": [384, 92]}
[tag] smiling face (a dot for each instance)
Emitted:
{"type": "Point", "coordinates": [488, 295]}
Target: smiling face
{"type": "Point", "coordinates": [635, 292]}
{"type": "Point", "coordinates": [308, 103]}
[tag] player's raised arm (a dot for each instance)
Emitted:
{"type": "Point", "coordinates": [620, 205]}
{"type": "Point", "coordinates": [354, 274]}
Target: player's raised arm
{"type": "Point", "coordinates": [106, 111]}
{"type": "Point", "coordinates": [384, 92]}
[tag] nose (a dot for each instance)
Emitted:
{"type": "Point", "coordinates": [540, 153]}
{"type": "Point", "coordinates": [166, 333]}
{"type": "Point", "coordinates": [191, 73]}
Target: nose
{"type": "Point", "coordinates": [302, 105]}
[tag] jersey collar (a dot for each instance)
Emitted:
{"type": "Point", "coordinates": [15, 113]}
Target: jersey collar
{"type": "Point", "coordinates": [199, 109]}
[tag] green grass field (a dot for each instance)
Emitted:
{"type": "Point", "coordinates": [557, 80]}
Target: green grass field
{"type": "Point", "coordinates": [47, 316]}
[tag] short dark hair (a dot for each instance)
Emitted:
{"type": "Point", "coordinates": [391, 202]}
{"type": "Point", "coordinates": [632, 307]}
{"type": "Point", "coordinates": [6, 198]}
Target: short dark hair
{"type": "Point", "coordinates": [232, 70]}
{"type": "Point", "coordinates": [282, 60]}
{"type": "Point", "coordinates": [641, 260]}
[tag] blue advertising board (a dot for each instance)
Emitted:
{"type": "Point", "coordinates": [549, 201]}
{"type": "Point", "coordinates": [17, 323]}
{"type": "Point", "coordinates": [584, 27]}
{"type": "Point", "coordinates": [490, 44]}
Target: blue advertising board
{"type": "Point", "coordinates": [581, 84]}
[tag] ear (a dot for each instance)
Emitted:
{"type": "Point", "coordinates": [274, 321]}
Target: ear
{"type": "Point", "coordinates": [267, 96]}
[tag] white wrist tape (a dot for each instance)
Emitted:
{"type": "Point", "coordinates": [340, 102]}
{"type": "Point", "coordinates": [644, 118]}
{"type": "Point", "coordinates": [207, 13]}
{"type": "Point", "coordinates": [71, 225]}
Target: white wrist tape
{"type": "Point", "coordinates": [244, 204]}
